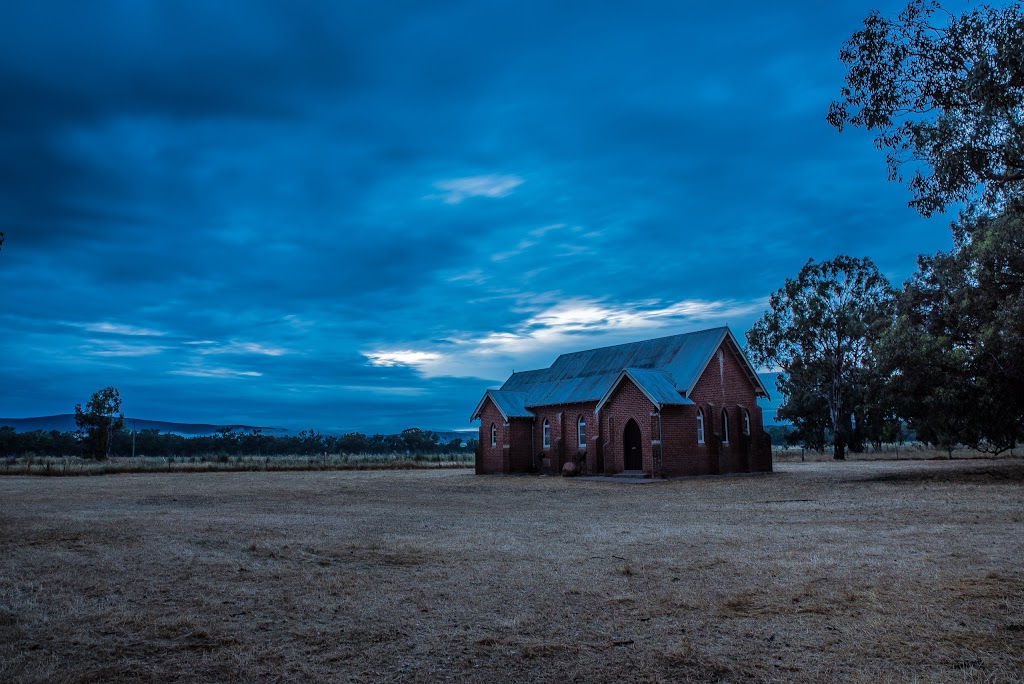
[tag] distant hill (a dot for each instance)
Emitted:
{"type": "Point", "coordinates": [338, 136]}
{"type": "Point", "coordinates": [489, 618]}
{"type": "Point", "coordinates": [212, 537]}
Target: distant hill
{"type": "Point", "coordinates": [65, 422]}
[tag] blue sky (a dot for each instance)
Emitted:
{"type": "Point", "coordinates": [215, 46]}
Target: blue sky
{"type": "Point", "coordinates": [361, 215]}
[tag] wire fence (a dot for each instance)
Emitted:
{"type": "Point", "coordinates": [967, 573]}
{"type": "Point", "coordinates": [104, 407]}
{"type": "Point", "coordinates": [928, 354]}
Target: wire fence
{"type": "Point", "coordinates": [887, 452]}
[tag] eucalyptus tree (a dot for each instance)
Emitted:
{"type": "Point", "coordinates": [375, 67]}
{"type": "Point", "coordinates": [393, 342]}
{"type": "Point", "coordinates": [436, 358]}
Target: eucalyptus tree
{"type": "Point", "coordinates": [99, 420]}
{"type": "Point", "coordinates": [944, 95]}
{"type": "Point", "coordinates": [821, 330]}
{"type": "Point", "coordinates": [957, 349]}
{"type": "Point", "coordinates": [805, 407]}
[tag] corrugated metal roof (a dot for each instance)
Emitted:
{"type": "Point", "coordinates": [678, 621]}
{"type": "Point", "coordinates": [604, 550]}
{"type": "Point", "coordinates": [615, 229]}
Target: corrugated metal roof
{"type": "Point", "coordinates": [511, 404]}
{"type": "Point", "coordinates": [588, 375]}
{"type": "Point", "coordinates": [658, 385]}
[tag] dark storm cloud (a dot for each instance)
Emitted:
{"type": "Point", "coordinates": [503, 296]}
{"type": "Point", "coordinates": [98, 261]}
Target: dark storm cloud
{"type": "Point", "coordinates": [360, 215]}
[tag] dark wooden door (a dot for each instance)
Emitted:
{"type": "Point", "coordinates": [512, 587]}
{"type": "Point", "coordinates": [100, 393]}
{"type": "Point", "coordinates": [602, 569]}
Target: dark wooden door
{"type": "Point", "coordinates": [633, 458]}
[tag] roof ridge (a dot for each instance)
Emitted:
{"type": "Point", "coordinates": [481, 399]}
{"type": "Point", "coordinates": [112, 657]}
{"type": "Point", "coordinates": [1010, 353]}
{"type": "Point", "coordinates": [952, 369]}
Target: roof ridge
{"type": "Point", "coordinates": [649, 339]}
{"type": "Point", "coordinates": [532, 370]}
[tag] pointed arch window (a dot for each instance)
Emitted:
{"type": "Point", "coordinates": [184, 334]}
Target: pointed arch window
{"type": "Point", "coordinates": [546, 434]}
{"type": "Point", "coordinates": [494, 435]}
{"type": "Point", "coordinates": [581, 432]}
{"type": "Point", "coordinates": [725, 427]}
{"type": "Point", "coordinates": [746, 423]}
{"type": "Point", "coordinates": [700, 426]}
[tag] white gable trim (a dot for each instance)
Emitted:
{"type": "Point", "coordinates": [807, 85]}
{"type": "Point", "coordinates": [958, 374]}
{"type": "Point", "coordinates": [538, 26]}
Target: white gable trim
{"type": "Point", "coordinates": [480, 406]}
{"type": "Point", "coordinates": [727, 334]}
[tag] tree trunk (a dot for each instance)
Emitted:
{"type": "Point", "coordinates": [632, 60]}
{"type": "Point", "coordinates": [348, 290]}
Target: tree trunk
{"type": "Point", "coordinates": [835, 406]}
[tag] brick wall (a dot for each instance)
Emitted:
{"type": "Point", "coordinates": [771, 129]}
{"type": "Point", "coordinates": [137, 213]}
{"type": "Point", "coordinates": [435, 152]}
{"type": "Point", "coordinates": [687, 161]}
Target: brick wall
{"type": "Point", "coordinates": [682, 454]}
{"type": "Point", "coordinates": [563, 419]}
{"type": "Point", "coordinates": [512, 452]}
{"type": "Point", "coordinates": [627, 402]}
{"type": "Point", "coordinates": [726, 386]}
{"type": "Point", "coordinates": [520, 456]}
{"type": "Point", "coordinates": [491, 459]}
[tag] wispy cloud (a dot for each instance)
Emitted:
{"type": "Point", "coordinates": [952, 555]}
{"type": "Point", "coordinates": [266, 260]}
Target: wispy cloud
{"type": "Point", "coordinates": [222, 373]}
{"type": "Point", "coordinates": [404, 357]}
{"type": "Point", "coordinates": [563, 240]}
{"type": "Point", "coordinates": [475, 276]}
{"type": "Point", "coordinates": [458, 189]}
{"type": "Point", "coordinates": [108, 348]}
{"type": "Point", "coordinates": [544, 230]}
{"type": "Point", "coordinates": [560, 323]}
{"type": "Point", "coordinates": [240, 348]}
{"type": "Point", "coordinates": [559, 328]}
{"type": "Point", "coordinates": [118, 329]}
{"type": "Point", "coordinates": [384, 390]}
{"type": "Point", "coordinates": [299, 323]}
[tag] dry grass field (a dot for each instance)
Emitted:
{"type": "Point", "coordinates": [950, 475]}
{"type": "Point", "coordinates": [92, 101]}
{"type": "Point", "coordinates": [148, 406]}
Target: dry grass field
{"type": "Point", "coordinates": [46, 466]}
{"type": "Point", "coordinates": [859, 571]}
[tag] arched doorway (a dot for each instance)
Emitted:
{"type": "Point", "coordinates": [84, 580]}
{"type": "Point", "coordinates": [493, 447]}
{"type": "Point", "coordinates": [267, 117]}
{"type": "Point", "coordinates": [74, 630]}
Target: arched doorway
{"type": "Point", "coordinates": [633, 454]}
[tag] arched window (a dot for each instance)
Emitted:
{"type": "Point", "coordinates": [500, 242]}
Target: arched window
{"type": "Point", "coordinates": [746, 423]}
{"type": "Point", "coordinates": [494, 435]}
{"type": "Point", "coordinates": [700, 426]}
{"type": "Point", "coordinates": [581, 432]}
{"type": "Point", "coordinates": [725, 427]}
{"type": "Point", "coordinates": [546, 434]}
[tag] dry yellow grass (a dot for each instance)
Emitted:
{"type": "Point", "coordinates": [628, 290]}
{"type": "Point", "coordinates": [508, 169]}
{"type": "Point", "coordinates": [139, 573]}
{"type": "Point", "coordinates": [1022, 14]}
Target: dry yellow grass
{"type": "Point", "coordinates": [48, 466]}
{"type": "Point", "coordinates": [911, 451]}
{"type": "Point", "coordinates": [859, 571]}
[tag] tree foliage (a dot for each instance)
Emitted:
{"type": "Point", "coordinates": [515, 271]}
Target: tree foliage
{"type": "Point", "coordinates": [228, 442]}
{"type": "Point", "coordinates": [821, 330]}
{"type": "Point", "coordinates": [945, 95]}
{"type": "Point", "coordinates": [957, 350]}
{"type": "Point", "coordinates": [98, 422]}
{"type": "Point", "coordinates": [419, 441]}
{"type": "Point", "coordinates": [806, 407]}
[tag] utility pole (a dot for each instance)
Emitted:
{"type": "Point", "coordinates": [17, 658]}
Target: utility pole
{"type": "Point", "coordinates": [134, 426]}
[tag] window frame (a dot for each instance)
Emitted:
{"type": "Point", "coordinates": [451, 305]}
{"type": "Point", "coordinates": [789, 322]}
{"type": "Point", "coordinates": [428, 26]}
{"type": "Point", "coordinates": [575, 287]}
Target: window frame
{"type": "Point", "coordinates": [545, 434]}
{"type": "Point", "coordinates": [725, 426]}
{"type": "Point", "coordinates": [494, 435]}
{"type": "Point", "coordinates": [746, 423]}
{"type": "Point", "coordinates": [700, 426]}
{"type": "Point", "coordinates": [581, 432]}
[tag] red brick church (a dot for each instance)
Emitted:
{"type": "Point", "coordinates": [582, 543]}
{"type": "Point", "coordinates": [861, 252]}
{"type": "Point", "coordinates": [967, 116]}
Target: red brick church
{"type": "Point", "coordinates": [679, 405]}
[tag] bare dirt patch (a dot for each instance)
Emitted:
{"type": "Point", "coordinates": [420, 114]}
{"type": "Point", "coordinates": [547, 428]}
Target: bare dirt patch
{"type": "Point", "coordinates": [859, 571]}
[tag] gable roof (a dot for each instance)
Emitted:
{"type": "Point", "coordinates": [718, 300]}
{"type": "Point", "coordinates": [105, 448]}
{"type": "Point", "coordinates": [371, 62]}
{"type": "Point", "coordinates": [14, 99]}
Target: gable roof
{"type": "Point", "coordinates": [509, 404]}
{"type": "Point", "coordinates": [657, 385]}
{"type": "Point", "coordinates": [665, 368]}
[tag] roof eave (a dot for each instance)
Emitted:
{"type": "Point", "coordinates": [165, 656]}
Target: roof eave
{"type": "Point", "coordinates": [623, 374]}
{"type": "Point", "coordinates": [479, 407]}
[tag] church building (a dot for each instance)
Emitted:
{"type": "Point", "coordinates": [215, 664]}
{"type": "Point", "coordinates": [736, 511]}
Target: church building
{"type": "Point", "coordinates": [667, 407]}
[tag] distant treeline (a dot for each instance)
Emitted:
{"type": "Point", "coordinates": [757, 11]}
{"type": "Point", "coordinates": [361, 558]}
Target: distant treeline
{"type": "Point", "coordinates": [412, 441]}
